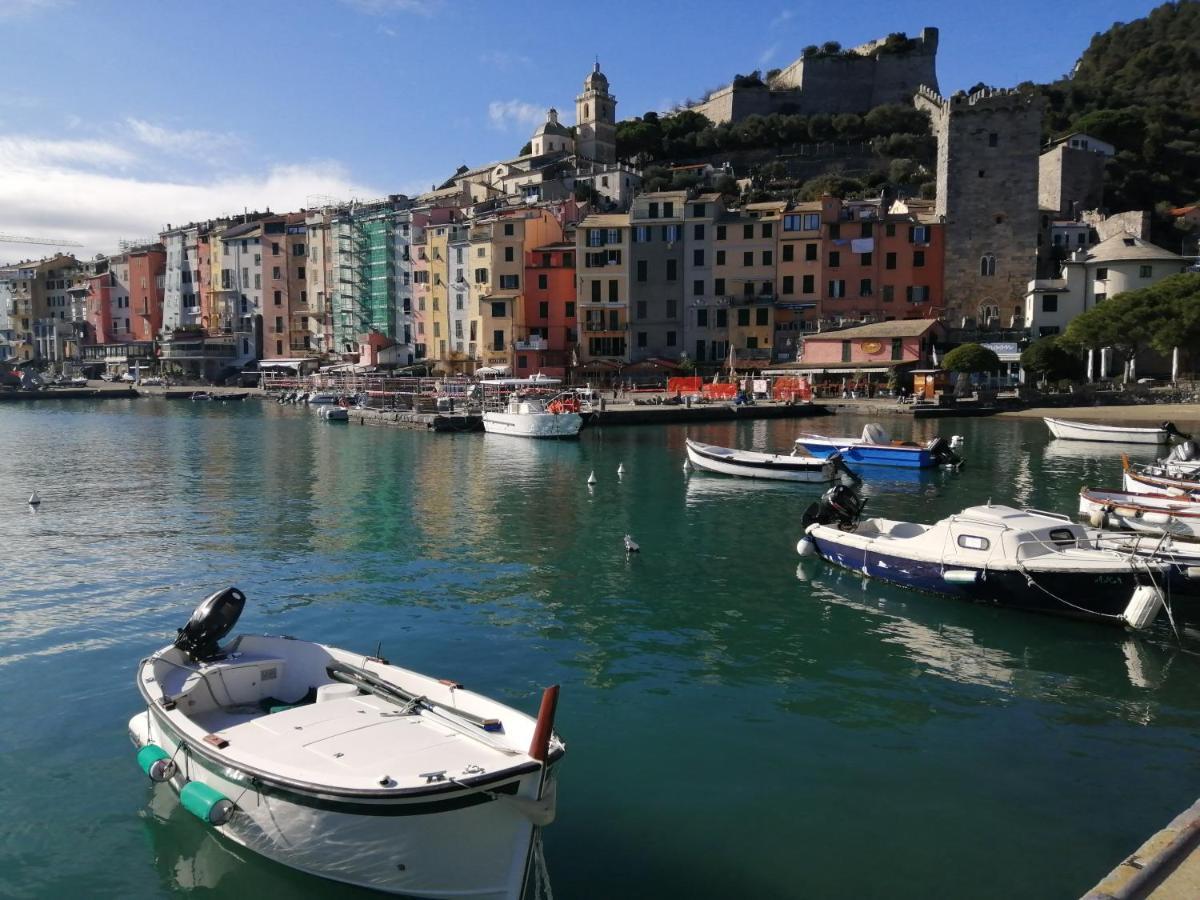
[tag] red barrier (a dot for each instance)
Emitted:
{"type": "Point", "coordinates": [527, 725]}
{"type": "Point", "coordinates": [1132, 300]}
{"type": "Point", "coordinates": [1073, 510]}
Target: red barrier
{"type": "Point", "coordinates": [720, 391]}
{"type": "Point", "coordinates": [788, 389]}
{"type": "Point", "coordinates": [681, 385]}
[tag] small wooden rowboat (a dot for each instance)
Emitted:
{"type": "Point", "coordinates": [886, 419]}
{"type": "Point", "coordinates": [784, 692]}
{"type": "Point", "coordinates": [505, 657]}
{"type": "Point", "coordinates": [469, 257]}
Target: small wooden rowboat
{"type": "Point", "coordinates": [748, 464]}
{"type": "Point", "coordinates": [1152, 513]}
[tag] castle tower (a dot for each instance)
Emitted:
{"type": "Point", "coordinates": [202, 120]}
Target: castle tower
{"type": "Point", "coordinates": [987, 195]}
{"type": "Point", "coordinates": [596, 118]}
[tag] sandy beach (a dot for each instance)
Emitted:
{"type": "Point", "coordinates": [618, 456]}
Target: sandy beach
{"type": "Point", "coordinates": [1179, 413]}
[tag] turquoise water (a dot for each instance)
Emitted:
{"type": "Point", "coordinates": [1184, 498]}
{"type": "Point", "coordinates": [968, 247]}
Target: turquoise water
{"type": "Point", "coordinates": [732, 729]}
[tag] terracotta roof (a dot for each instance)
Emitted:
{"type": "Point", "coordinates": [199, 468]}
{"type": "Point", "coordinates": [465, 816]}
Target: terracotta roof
{"type": "Point", "coordinates": [605, 220]}
{"type": "Point", "coordinates": [897, 328]}
{"type": "Point", "coordinates": [1127, 246]}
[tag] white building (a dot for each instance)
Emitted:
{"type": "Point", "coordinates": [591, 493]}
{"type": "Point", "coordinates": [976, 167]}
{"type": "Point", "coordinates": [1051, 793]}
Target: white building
{"type": "Point", "coordinates": [181, 278]}
{"type": "Point", "coordinates": [1122, 263]}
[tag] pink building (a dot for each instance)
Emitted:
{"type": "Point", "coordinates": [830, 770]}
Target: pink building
{"type": "Point", "coordinates": [868, 353]}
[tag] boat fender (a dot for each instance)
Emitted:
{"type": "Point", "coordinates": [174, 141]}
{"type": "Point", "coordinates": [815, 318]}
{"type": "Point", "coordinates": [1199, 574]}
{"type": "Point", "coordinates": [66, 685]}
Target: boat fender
{"type": "Point", "coordinates": [1096, 518]}
{"type": "Point", "coordinates": [960, 576]}
{"type": "Point", "coordinates": [156, 763]}
{"type": "Point", "coordinates": [1143, 606]}
{"type": "Point", "coordinates": [206, 803]}
{"type": "Point", "coordinates": [805, 547]}
{"type": "Point", "coordinates": [1191, 572]}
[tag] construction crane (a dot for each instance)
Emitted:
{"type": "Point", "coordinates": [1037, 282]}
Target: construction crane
{"type": "Point", "coordinates": [23, 239]}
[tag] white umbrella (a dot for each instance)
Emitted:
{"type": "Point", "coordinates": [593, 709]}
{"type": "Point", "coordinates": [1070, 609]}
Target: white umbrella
{"type": "Point", "coordinates": [933, 356]}
{"type": "Point", "coordinates": [1091, 354]}
{"type": "Point", "coordinates": [1174, 365]}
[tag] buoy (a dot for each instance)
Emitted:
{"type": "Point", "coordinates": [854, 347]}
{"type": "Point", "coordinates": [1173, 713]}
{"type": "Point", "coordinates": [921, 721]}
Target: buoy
{"type": "Point", "coordinates": [620, 469]}
{"type": "Point", "coordinates": [592, 478]}
{"type": "Point", "coordinates": [206, 803]}
{"type": "Point", "coordinates": [34, 499]}
{"type": "Point", "coordinates": [805, 546]}
{"type": "Point", "coordinates": [156, 763]}
{"type": "Point", "coordinates": [1096, 518]}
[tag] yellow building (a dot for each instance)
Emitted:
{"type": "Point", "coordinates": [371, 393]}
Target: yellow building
{"type": "Point", "coordinates": [744, 273]}
{"type": "Point", "coordinates": [602, 260]}
{"type": "Point", "coordinates": [437, 314]}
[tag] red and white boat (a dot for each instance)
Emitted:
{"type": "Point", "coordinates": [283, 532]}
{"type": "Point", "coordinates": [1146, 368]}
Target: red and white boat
{"type": "Point", "coordinates": [1152, 513]}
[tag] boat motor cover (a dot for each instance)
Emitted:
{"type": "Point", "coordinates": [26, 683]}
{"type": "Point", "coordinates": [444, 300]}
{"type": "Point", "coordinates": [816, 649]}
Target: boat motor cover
{"type": "Point", "coordinates": [840, 505]}
{"type": "Point", "coordinates": [212, 620]}
{"type": "Point", "coordinates": [1188, 451]}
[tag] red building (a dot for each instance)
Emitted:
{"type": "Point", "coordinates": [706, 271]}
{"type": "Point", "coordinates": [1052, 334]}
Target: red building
{"type": "Point", "coordinates": [146, 266]}
{"type": "Point", "coordinates": [285, 295]}
{"type": "Point", "coordinates": [99, 311]}
{"type": "Point", "coordinates": [547, 327]}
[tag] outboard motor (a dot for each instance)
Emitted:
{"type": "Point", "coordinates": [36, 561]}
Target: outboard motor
{"type": "Point", "coordinates": [1170, 429]}
{"type": "Point", "coordinates": [212, 620]}
{"type": "Point", "coordinates": [939, 449]}
{"type": "Point", "coordinates": [1188, 451]}
{"type": "Point", "coordinates": [840, 506]}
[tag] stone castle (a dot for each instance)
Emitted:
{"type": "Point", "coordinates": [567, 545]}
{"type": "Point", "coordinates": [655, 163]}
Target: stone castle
{"type": "Point", "coordinates": [887, 70]}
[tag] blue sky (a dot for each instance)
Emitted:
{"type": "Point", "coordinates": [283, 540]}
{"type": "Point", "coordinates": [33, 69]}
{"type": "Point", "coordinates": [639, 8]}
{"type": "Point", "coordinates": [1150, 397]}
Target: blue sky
{"type": "Point", "coordinates": [118, 117]}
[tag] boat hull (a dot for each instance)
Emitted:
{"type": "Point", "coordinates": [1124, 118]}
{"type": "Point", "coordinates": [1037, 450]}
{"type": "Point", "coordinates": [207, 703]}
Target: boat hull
{"type": "Point", "coordinates": [1113, 434]}
{"type": "Point", "coordinates": [775, 468]}
{"type": "Point", "coordinates": [471, 843]}
{"type": "Point", "coordinates": [1097, 597]}
{"type": "Point", "coordinates": [855, 452]}
{"type": "Point", "coordinates": [533, 425]}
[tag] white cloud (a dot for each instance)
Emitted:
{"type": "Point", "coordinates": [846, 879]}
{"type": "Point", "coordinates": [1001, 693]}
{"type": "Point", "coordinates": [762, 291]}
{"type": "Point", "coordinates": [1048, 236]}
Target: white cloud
{"type": "Point", "coordinates": [505, 115]}
{"type": "Point", "coordinates": [15, 9]}
{"type": "Point", "coordinates": [783, 16]}
{"type": "Point", "coordinates": [767, 55]}
{"type": "Point", "coordinates": [46, 189]}
{"type": "Point", "coordinates": [502, 60]}
{"type": "Point", "coordinates": [30, 154]}
{"type": "Point", "coordinates": [387, 7]}
{"type": "Point", "coordinates": [183, 142]}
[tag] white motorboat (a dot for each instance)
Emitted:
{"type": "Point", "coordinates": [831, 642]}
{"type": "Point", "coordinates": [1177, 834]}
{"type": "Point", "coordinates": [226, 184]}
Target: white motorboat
{"type": "Point", "coordinates": [345, 766]}
{"type": "Point", "coordinates": [333, 413]}
{"type": "Point", "coordinates": [748, 464]}
{"type": "Point", "coordinates": [1150, 513]}
{"type": "Point", "coordinates": [317, 398]}
{"type": "Point", "coordinates": [533, 417]}
{"type": "Point", "coordinates": [990, 554]}
{"type": "Point", "coordinates": [1118, 434]}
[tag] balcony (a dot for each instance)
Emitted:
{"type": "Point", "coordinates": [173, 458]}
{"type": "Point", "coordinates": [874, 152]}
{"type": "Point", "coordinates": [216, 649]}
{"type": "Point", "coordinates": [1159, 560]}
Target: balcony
{"type": "Point", "coordinates": [748, 299]}
{"type": "Point", "coordinates": [533, 343]}
{"type": "Point", "coordinates": [592, 327]}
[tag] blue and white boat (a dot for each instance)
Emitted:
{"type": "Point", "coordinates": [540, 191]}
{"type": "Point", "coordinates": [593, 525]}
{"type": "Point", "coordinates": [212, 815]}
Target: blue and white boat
{"type": "Point", "coordinates": [875, 449]}
{"type": "Point", "coordinates": [991, 554]}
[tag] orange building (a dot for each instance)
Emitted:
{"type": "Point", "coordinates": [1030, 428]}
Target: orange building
{"type": "Point", "coordinates": [551, 329]}
{"type": "Point", "coordinates": [146, 267]}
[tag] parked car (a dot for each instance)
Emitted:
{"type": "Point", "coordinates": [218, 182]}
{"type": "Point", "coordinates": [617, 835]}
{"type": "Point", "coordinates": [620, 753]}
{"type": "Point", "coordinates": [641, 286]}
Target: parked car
{"type": "Point", "coordinates": [108, 376]}
{"type": "Point", "coordinates": [127, 377]}
{"type": "Point", "coordinates": [152, 381]}
{"type": "Point", "coordinates": [79, 381]}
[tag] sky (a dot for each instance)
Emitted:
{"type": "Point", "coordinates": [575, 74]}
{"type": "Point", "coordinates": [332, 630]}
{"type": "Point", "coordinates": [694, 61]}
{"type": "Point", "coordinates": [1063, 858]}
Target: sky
{"type": "Point", "coordinates": [118, 117]}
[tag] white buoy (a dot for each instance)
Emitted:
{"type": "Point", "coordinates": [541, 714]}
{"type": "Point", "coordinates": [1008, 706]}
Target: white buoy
{"type": "Point", "coordinates": [620, 469]}
{"type": "Point", "coordinates": [592, 478]}
{"type": "Point", "coordinates": [805, 546]}
{"type": "Point", "coordinates": [34, 499]}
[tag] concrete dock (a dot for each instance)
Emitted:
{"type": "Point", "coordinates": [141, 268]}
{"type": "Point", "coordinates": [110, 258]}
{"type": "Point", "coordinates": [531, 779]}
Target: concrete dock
{"type": "Point", "coordinates": [1166, 867]}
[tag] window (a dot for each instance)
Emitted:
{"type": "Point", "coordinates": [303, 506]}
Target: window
{"type": "Point", "coordinates": [642, 267]}
{"type": "Point", "coordinates": [835, 231]}
{"type": "Point", "coordinates": [810, 252]}
{"type": "Point", "coordinates": [864, 259]}
{"type": "Point", "coordinates": [670, 339]}
{"type": "Point", "coordinates": [918, 258]}
{"type": "Point", "coordinates": [864, 287]}
{"type": "Point", "coordinates": [297, 249]}
{"type": "Point", "coordinates": [595, 238]}
{"type": "Point", "coordinates": [698, 231]}
{"type": "Point", "coordinates": [791, 223]}
{"type": "Point", "coordinates": [652, 211]}
{"type": "Point", "coordinates": [668, 209]}
{"type": "Point", "coordinates": [837, 289]}
{"type": "Point", "coordinates": [613, 295]}
{"type": "Point", "coordinates": [697, 257]}
{"type": "Point", "coordinates": [720, 257]}
{"type": "Point", "coordinates": [641, 234]}
{"type": "Point", "coordinates": [748, 258]}
{"type": "Point", "coordinates": [789, 284]}
{"type": "Point", "coordinates": [570, 310]}
{"type": "Point", "coordinates": [789, 252]}
{"type": "Point", "coordinates": [670, 233]}
{"type": "Point", "coordinates": [973, 542]}
{"type": "Point", "coordinates": [762, 316]}
{"type": "Point", "coordinates": [768, 258]}
{"type": "Point", "coordinates": [916, 293]}
{"type": "Point", "coordinates": [543, 282]}
{"type": "Point", "coordinates": [641, 339]}
{"type": "Point", "coordinates": [987, 263]}
{"type": "Point", "coordinates": [888, 293]}
{"type": "Point", "coordinates": [846, 351]}
{"type": "Point", "coordinates": [698, 287]}
{"type": "Point", "coordinates": [702, 318]}
{"type": "Point", "coordinates": [812, 221]}
{"type": "Point", "coordinates": [919, 234]}
{"type": "Point", "coordinates": [672, 309]}
{"type": "Point", "coordinates": [481, 276]}
{"type": "Point", "coordinates": [698, 210]}
{"type": "Point", "coordinates": [278, 298]}
{"type": "Point", "coordinates": [747, 231]}
{"type": "Point", "coordinates": [639, 309]}
{"type": "Point", "coordinates": [300, 273]}
{"type": "Point", "coordinates": [1049, 303]}
{"type": "Point", "coordinates": [274, 273]}
{"type": "Point", "coordinates": [274, 249]}
{"type": "Point", "coordinates": [596, 291]}
{"type": "Point", "coordinates": [722, 318]}
{"type": "Point", "coordinates": [672, 269]}
{"type": "Point", "coordinates": [1145, 271]}
{"type": "Point", "coordinates": [719, 287]}
{"type": "Point", "coordinates": [508, 229]}
{"type": "Point", "coordinates": [993, 139]}
{"type": "Point", "coordinates": [835, 259]}
{"type": "Point", "coordinates": [743, 318]}
{"type": "Point", "coordinates": [1102, 274]}
{"type": "Point", "coordinates": [497, 339]}
{"type": "Point", "coordinates": [543, 310]}
{"type": "Point", "coordinates": [808, 284]}
{"type": "Point", "coordinates": [720, 232]}
{"type": "Point", "coordinates": [889, 260]}
{"type": "Point", "coordinates": [508, 253]}
{"type": "Point", "coordinates": [897, 348]}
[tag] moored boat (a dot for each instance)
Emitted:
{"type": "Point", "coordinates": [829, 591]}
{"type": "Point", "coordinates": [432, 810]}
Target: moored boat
{"type": "Point", "coordinates": [1142, 481]}
{"type": "Point", "coordinates": [748, 464]}
{"type": "Point", "coordinates": [992, 554]}
{"type": "Point", "coordinates": [1150, 513]}
{"type": "Point", "coordinates": [529, 415]}
{"type": "Point", "coordinates": [1118, 434]}
{"type": "Point", "coordinates": [874, 448]}
{"type": "Point", "coordinates": [345, 766]}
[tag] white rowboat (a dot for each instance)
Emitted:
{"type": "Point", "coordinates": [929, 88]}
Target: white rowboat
{"type": "Point", "coordinates": [748, 464]}
{"type": "Point", "coordinates": [1149, 513]}
{"type": "Point", "coordinates": [1117, 434]}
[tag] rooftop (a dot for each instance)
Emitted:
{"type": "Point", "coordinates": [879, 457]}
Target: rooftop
{"type": "Point", "coordinates": [898, 328]}
{"type": "Point", "coordinates": [1128, 246]}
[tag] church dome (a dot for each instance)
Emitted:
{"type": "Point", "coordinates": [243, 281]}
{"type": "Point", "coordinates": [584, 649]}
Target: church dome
{"type": "Point", "coordinates": [551, 126]}
{"type": "Point", "coordinates": [596, 80]}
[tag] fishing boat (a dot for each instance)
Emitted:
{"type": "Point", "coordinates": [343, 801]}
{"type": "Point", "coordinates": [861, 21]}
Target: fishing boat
{"type": "Point", "coordinates": [345, 766]}
{"type": "Point", "coordinates": [874, 448]}
{"type": "Point", "coordinates": [1117, 434]}
{"type": "Point", "coordinates": [1150, 513]}
{"type": "Point", "coordinates": [511, 407]}
{"type": "Point", "coordinates": [993, 554]}
{"type": "Point", "coordinates": [1151, 481]}
{"type": "Point", "coordinates": [748, 464]}
{"type": "Point", "coordinates": [201, 395]}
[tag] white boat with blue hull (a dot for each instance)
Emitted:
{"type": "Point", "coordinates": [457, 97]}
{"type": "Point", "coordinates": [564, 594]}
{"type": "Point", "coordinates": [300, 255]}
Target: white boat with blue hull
{"type": "Point", "coordinates": [996, 555]}
{"type": "Point", "coordinates": [875, 448]}
{"type": "Point", "coordinates": [345, 766]}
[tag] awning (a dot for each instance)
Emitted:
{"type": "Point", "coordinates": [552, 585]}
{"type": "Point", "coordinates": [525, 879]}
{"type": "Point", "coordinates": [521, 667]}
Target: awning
{"type": "Point", "coordinates": [493, 370]}
{"type": "Point", "coordinates": [831, 369]}
{"type": "Point", "coordinates": [283, 363]}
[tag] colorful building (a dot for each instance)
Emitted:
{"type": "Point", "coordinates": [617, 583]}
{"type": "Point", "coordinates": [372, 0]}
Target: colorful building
{"type": "Point", "coordinates": [602, 276]}
{"type": "Point", "coordinates": [548, 341]}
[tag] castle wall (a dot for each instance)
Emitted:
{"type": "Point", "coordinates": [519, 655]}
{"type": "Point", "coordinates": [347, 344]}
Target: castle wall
{"type": "Point", "coordinates": [1070, 180]}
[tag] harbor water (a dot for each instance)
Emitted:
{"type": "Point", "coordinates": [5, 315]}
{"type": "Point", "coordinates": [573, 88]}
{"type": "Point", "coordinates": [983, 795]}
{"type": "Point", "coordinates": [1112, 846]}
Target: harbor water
{"type": "Point", "coordinates": [736, 726]}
